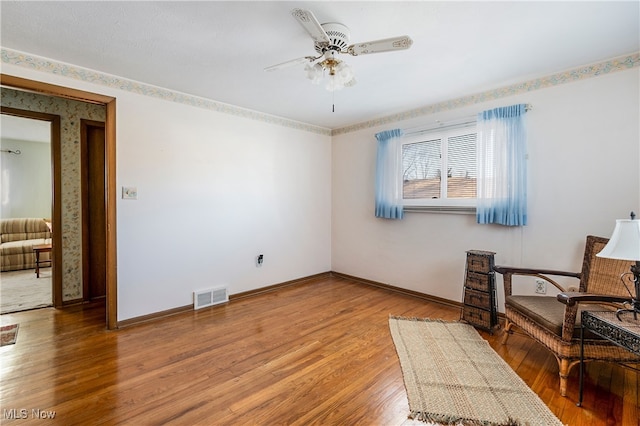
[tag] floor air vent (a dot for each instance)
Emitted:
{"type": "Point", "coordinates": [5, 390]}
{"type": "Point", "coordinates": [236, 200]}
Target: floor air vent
{"type": "Point", "coordinates": [210, 297]}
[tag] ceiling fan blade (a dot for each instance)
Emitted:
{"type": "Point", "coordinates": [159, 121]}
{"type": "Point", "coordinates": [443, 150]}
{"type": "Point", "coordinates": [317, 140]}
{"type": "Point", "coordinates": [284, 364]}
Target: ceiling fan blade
{"type": "Point", "coordinates": [291, 63]}
{"type": "Point", "coordinates": [377, 46]}
{"type": "Point", "coordinates": [311, 25]}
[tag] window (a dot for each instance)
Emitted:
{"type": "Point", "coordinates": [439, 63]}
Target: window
{"type": "Point", "coordinates": [424, 158]}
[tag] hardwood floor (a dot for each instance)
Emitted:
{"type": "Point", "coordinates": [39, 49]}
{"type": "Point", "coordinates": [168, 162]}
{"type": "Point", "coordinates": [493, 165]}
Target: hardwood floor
{"type": "Point", "coordinates": [318, 352]}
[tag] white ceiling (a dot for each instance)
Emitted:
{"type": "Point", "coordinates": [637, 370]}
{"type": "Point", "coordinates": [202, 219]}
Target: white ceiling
{"type": "Point", "coordinates": [218, 50]}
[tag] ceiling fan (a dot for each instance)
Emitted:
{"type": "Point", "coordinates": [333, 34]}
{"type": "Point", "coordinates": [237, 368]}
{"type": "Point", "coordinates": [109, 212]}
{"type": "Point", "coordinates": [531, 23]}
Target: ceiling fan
{"type": "Point", "coordinates": [330, 40]}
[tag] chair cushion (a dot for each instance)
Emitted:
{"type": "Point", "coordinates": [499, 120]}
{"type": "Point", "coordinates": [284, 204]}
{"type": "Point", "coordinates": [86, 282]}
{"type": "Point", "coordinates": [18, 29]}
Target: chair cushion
{"type": "Point", "coordinates": [548, 312]}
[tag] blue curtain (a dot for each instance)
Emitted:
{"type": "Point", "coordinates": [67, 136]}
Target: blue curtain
{"type": "Point", "coordinates": [388, 175]}
{"type": "Point", "coordinates": [502, 168]}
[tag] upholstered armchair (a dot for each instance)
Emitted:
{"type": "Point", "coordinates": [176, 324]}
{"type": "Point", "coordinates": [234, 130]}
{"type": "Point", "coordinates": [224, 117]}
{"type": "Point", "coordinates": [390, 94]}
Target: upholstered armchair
{"type": "Point", "coordinates": [555, 321]}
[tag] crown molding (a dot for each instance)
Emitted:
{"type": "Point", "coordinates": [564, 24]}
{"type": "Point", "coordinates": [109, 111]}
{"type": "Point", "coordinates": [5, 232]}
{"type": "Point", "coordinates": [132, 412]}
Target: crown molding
{"type": "Point", "coordinates": [588, 71]}
{"type": "Point", "coordinates": [41, 64]}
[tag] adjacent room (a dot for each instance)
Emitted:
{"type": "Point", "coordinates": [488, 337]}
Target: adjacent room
{"type": "Point", "coordinates": [283, 212]}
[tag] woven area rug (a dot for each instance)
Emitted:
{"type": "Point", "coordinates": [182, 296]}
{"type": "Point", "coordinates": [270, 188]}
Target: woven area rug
{"type": "Point", "coordinates": [8, 334]}
{"type": "Point", "coordinates": [453, 377]}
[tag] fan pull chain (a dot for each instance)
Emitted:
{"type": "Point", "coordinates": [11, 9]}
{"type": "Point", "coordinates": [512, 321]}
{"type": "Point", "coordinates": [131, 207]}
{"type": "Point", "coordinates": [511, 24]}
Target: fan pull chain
{"type": "Point", "coordinates": [333, 101]}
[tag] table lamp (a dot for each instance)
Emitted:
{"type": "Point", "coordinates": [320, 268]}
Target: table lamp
{"type": "Point", "coordinates": [624, 244]}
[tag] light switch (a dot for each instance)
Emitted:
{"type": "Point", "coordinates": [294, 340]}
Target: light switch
{"type": "Point", "coordinates": [129, 193]}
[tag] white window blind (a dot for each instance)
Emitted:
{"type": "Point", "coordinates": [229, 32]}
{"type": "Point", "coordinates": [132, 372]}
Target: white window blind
{"type": "Point", "coordinates": [439, 168]}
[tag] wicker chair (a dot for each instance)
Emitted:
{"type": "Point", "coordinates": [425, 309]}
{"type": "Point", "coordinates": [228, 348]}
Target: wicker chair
{"type": "Point", "coordinates": [556, 325]}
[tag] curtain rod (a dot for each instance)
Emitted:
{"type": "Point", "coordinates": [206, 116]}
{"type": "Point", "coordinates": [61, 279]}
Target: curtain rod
{"type": "Point", "coordinates": [460, 122]}
{"type": "Point", "coordinates": [16, 152]}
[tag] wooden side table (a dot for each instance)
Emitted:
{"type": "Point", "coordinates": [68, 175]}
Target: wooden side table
{"type": "Point", "coordinates": [41, 248]}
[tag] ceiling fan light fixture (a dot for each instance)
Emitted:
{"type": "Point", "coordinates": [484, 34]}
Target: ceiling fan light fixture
{"type": "Point", "coordinates": [314, 73]}
{"type": "Point", "coordinates": [340, 76]}
{"type": "Point", "coordinates": [330, 40]}
{"type": "Point", "coordinates": [344, 71]}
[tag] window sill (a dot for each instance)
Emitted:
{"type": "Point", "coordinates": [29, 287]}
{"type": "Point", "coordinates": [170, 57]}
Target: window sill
{"type": "Point", "coordinates": [440, 209]}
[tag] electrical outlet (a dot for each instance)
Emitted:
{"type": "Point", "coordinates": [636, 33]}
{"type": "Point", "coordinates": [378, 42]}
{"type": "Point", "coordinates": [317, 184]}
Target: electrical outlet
{"type": "Point", "coordinates": [259, 260]}
{"type": "Point", "coordinates": [541, 287]}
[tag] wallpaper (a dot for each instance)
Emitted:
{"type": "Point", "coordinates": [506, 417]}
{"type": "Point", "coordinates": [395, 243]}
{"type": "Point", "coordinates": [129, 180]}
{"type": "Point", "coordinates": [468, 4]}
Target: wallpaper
{"type": "Point", "coordinates": [46, 65]}
{"type": "Point", "coordinates": [588, 71]}
{"type": "Point", "coordinates": [78, 73]}
{"type": "Point", "coordinates": [70, 112]}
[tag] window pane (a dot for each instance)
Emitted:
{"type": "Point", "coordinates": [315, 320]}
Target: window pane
{"type": "Point", "coordinates": [421, 169]}
{"type": "Point", "coordinates": [461, 167]}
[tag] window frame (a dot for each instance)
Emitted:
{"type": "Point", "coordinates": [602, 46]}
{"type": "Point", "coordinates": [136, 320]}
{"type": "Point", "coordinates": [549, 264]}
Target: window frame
{"type": "Point", "coordinates": [443, 203]}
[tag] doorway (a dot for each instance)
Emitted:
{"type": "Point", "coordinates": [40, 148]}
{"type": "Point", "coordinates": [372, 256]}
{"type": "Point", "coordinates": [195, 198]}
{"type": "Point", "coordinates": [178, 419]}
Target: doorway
{"type": "Point", "coordinates": [30, 195]}
{"type": "Point", "coordinates": [110, 175]}
{"type": "Point", "coordinates": [94, 231]}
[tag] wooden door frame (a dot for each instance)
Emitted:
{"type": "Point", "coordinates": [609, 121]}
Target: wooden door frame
{"type": "Point", "coordinates": [110, 139]}
{"type": "Point", "coordinates": [56, 191]}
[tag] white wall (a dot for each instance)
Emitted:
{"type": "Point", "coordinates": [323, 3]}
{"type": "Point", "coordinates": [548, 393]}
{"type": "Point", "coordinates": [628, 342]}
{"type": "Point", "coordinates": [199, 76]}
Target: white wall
{"type": "Point", "coordinates": [214, 190]}
{"type": "Point", "coordinates": [583, 174]}
{"type": "Point", "coordinates": [26, 179]}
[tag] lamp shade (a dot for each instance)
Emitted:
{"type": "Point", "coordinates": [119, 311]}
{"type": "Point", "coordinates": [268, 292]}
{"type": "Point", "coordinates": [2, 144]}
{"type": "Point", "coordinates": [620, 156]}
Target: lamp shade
{"type": "Point", "coordinates": [624, 244]}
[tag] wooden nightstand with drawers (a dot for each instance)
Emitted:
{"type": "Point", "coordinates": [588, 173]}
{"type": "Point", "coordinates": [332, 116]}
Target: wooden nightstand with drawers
{"type": "Point", "coordinates": [479, 305]}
